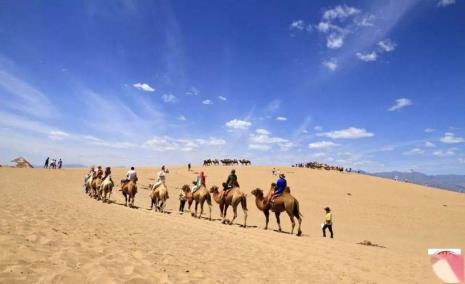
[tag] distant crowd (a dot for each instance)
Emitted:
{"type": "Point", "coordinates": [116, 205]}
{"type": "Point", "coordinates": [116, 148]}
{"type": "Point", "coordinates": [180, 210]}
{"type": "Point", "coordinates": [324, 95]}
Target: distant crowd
{"type": "Point", "coordinates": [53, 164]}
{"type": "Point", "coordinates": [226, 162]}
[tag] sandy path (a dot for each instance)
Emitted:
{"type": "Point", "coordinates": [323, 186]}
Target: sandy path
{"type": "Point", "coordinates": [51, 232]}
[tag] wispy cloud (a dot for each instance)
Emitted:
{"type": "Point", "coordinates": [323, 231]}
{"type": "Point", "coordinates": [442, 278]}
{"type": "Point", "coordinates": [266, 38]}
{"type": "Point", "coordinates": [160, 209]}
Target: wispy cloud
{"type": "Point", "coordinates": [58, 135]}
{"type": "Point", "coordinates": [298, 25]}
{"type": "Point", "coordinates": [446, 153]}
{"type": "Point", "coordinates": [281, 118]}
{"type": "Point", "coordinates": [207, 102]}
{"type": "Point", "coordinates": [330, 64]}
{"type": "Point", "coordinates": [450, 138]}
{"type": "Point", "coordinates": [24, 98]}
{"type": "Point", "coordinates": [349, 133]}
{"type": "Point", "coordinates": [429, 130]}
{"type": "Point", "coordinates": [221, 98]}
{"type": "Point", "coordinates": [429, 144]}
{"type": "Point", "coordinates": [387, 45]}
{"type": "Point", "coordinates": [263, 137]}
{"type": "Point", "coordinates": [167, 143]}
{"type": "Point", "coordinates": [415, 151]}
{"type": "Point", "coordinates": [400, 103]}
{"type": "Point", "coordinates": [367, 57]}
{"type": "Point", "coordinates": [169, 98]}
{"type": "Point", "coordinates": [322, 145]}
{"type": "Point", "coordinates": [238, 124]}
{"type": "Point", "coordinates": [181, 118]}
{"type": "Point", "coordinates": [193, 91]}
{"type": "Point", "coordinates": [445, 3]}
{"type": "Point", "coordinates": [143, 87]}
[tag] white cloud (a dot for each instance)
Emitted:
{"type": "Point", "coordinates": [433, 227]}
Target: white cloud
{"type": "Point", "coordinates": [143, 87]}
{"type": "Point", "coordinates": [319, 155]}
{"type": "Point", "coordinates": [415, 151]}
{"type": "Point", "coordinates": [262, 131]}
{"type": "Point", "coordinates": [297, 25]}
{"type": "Point", "coordinates": [281, 118]}
{"type": "Point", "coordinates": [259, 147]}
{"type": "Point", "coordinates": [238, 124]}
{"type": "Point", "coordinates": [168, 98]}
{"type": "Point", "coordinates": [349, 133]}
{"type": "Point", "coordinates": [323, 27]}
{"type": "Point", "coordinates": [262, 137]}
{"type": "Point", "coordinates": [400, 103]}
{"type": "Point", "coordinates": [367, 57]}
{"type": "Point", "coordinates": [322, 145]}
{"type": "Point", "coordinates": [450, 138]}
{"type": "Point", "coordinates": [318, 128]}
{"type": "Point", "coordinates": [365, 21]}
{"type": "Point", "coordinates": [335, 40]}
{"type": "Point", "coordinates": [193, 91]}
{"type": "Point", "coordinates": [181, 118]}
{"type": "Point", "coordinates": [445, 3]}
{"type": "Point", "coordinates": [340, 12]}
{"type": "Point", "coordinates": [57, 135]}
{"type": "Point", "coordinates": [330, 64]}
{"type": "Point", "coordinates": [207, 102]}
{"type": "Point", "coordinates": [446, 153]}
{"type": "Point", "coordinates": [429, 130]}
{"type": "Point", "coordinates": [166, 143]}
{"type": "Point", "coordinates": [222, 98]}
{"type": "Point", "coordinates": [387, 45]}
{"type": "Point", "coordinates": [429, 144]}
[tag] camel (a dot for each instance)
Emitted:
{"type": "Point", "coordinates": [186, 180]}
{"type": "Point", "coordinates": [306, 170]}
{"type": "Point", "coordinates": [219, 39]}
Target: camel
{"type": "Point", "coordinates": [234, 197]}
{"type": "Point", "coordinates": [129, 191]}
{"type": "Point", "coordinates": [89, 185]}
{"type": "Point", "coordinates": [159, 197]}
{"type": "Point", "coordinates": [106, 188]}
{"type": "Point", "coordinates": [200, 196]}
{"type": "Point", "coordinates": [285, 202]}
{"type": "Point", "coordinates": [95, 186]}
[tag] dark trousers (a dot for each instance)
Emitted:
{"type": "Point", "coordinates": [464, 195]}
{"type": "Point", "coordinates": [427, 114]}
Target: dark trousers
{"type": "Point", "coordinates": [330, 227]}
{"type": "Point", "coordinates": [182, 203]}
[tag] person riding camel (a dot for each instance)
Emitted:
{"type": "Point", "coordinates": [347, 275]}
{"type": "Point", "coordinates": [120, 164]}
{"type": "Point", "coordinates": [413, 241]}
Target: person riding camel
{"type": "Point", "coordinates": [130, 175]}
{"type": "Point", "coordinates": [201, 180]}
{"type": "Point", "coordinates": [161, 178]}
{"type": "Point", "coordinates": [279, 188]}
{"type": "Point", "coordinates": [107, 173]}
{"type": "Point", "coordinates": [99, 173]}
{"type": "Point", "coordinates": [230, 183]}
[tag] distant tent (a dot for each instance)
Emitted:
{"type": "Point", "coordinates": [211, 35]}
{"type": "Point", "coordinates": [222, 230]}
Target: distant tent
{"type": "Point", "coordinates": [22, 163]}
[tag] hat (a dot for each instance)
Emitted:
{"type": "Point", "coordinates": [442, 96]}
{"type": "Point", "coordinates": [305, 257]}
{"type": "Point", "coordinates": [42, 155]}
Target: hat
{"type": "Point", "coordinates": [327, 209]}
{"type": "Point", "coordinates": [282, 175]}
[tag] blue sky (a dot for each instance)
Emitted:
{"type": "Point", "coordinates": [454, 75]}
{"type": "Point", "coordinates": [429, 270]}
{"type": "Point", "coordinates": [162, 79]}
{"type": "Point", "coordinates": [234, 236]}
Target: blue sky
{"type": "Point", "coordinates": [375, 85]}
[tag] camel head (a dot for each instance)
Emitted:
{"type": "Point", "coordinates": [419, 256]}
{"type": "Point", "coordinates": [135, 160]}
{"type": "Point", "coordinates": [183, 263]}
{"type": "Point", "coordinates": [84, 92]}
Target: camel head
{"type": "Point", "coordinates": [257, 192]}
{"type": "Point", "coordinates": [214, 189]}
{"type": "Point", "coordinates": [185, 188]}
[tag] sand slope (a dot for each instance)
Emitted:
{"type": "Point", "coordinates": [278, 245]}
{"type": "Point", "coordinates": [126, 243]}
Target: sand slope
{"type": "Point", "coordinates": [51, 232]}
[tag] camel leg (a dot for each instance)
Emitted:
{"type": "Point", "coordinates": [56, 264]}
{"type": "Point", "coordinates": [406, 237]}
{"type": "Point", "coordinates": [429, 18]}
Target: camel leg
{"type": "Point", "coordinates": [224, 212]}
{"type": "Point", "coordinates": [125, 200]}
{"type": "Point", "coordinates": [267, 218]}
{"type": "Point", "coordinates": [209, 203]}
{"type": "Point", "coordinates": [278, 221]}
{"type": "Point", "coordinates": [291, 216]}
{"type": "Point", "coordinates": [201, 208]}
{"type": "Point", "coordinates": [196, 206]}
{"type": "Point", "coordinates": [235, 214]}
{"type": "Point", "coordinates": [299, 231]}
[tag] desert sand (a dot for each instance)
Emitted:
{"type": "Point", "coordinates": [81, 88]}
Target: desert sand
{"type": "Point", "coordinates": [51, 232]}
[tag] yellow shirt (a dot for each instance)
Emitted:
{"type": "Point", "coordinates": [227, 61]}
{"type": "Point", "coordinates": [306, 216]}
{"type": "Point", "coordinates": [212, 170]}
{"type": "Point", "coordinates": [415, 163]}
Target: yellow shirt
{"type": "Point", "coordinates": [329, 218]}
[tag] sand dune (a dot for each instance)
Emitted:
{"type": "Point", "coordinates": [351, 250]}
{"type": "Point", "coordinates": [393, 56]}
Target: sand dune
{"type": "Point", "coordinates": [51, 232]}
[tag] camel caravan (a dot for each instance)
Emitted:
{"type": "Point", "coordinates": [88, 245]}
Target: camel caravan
{"type": "Point", "coordinates": [227, 162]}
{"type": "Point", "coordinates": [320, 166]}
{"type": "Point", "coordinates": [98, 184]}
